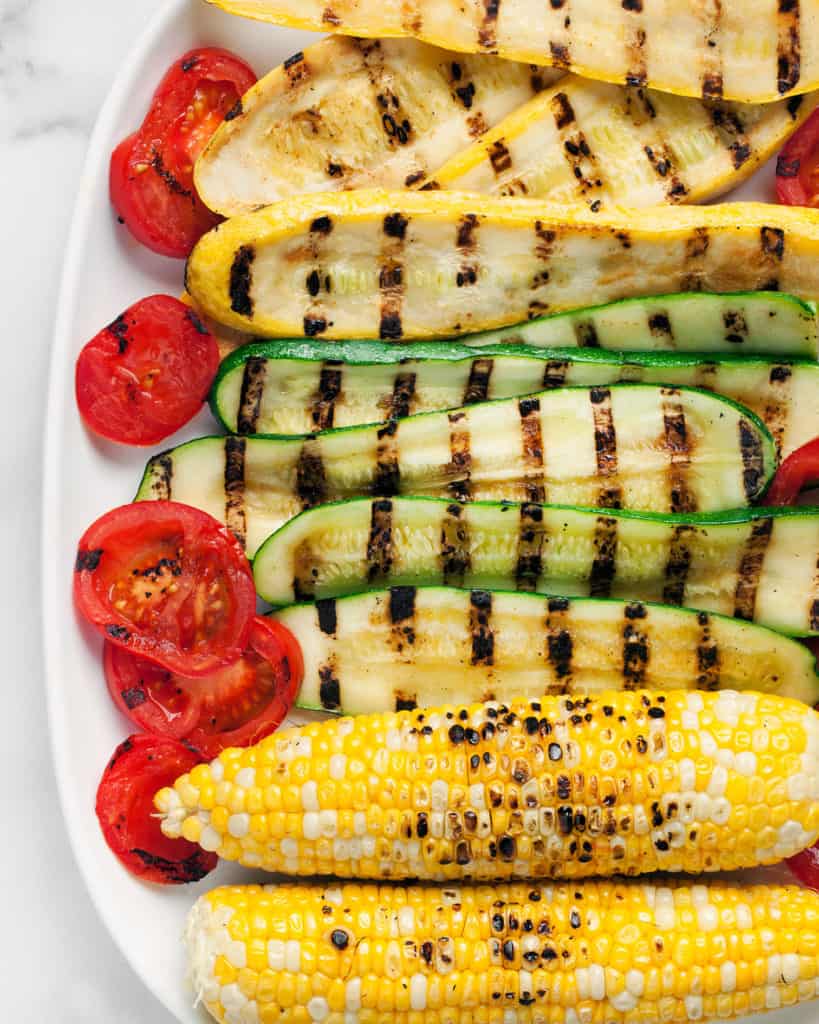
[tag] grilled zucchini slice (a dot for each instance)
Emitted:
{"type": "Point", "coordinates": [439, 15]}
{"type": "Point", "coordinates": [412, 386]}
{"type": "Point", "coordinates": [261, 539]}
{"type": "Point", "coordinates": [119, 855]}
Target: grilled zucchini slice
{"type": "Point", "coordinates": [634, 446]}
{"type": "Point", "coordinates": [296, 387]}
{"type": "Point", "coordinates": [754, 564]}
{"type": "Point", "coordinates": [349, 113]}
{"type": "Point", "coordinates": [584, 141]}
{"type": "Point", "coordinates": [370, 264]}
{"type": "Point", "coordinates": [754, 51]}
{"type": "Point", "coordinates": [409, 647]}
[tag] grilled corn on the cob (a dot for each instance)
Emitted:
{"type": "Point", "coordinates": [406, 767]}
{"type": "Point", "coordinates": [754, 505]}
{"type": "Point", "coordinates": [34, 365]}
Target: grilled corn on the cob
{"type": "Point", "coordinates": [624, 782]}
{"type": "Point", "coordinates": [394, 265]}
{"type": "Point", "coordinates": [754, 51]}
{"type": "Point", "coordinates": [615, 952]}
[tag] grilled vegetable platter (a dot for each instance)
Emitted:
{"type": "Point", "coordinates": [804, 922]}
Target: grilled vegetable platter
{"type": "Point", "coordinates": [464, 577]}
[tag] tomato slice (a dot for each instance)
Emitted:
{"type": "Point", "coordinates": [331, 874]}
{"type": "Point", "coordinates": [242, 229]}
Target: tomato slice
{"type": "Point", "coordinates": [140, 767]}
{"type": "Point", "coordinates": [151, 174]}
{"type": "Point", "coordinates": [799, 471]}
{"type": "Point", "coordinates": [147, 373]}
{"type": "Point", "coordinates": [233, 707]}
{"type": "Point", "coordinates": [797, 166]}
{"type": "Point", "coordinates": [167, 582]}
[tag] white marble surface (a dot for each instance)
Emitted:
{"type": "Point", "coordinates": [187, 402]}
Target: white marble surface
{"type": "Point", "coordinates": [57, 59]}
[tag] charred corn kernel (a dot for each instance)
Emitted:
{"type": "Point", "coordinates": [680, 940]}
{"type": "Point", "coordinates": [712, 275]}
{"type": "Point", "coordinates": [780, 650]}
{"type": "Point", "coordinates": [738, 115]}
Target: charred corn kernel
{"type": "Point", "coordinates": [400, 954]}
{"type": "Point", "coordinates": [540, 813]}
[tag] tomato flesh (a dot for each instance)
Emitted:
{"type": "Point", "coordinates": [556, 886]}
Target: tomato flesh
{"type": "Point", "coordinates": [151, 174]}
{"type": "Point", "coordinates": [147, 373]}
{"type": "Point", "coordinates": [140, 767]}
{"type": "Point", "coordinates": [234, 706]}
{"type": "Point", "coordinates": [167, 582]}
{"type": "Point", "coordinates": [797, 167]}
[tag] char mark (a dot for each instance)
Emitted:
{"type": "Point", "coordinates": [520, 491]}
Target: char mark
{"type": "Point", "coordinates": [311, 479]}
{"type": "Point", "coordinates": [736, 327]}
{"type": "Point", "coordinates": [604, 563]}
{"type": "Point", "coordinates": [329, 687]}
{"type": "Point", "coordinates": [678, 565]}
{"type": "Point", "coordinates": [162, 477]}
{"type": "Point", "coordinates": [562, 110]}
{"type": "Point", "coordinates": [402, 604]}
{"type": "Point", "coordinates": [235, 516]}
{"type": "Point", "coordinates": [753, 463]}
{"type": "Point", "coordinates": [487, 31]}
{"type": "Point", "coordinates": [559, 642]}
{"type": "Point", "coordinates": [399, 404]}
{"type": "Point", "coordinates": [678, 446]}
{"type": "Point", "coordinates": [480, 627]}
{"type": "Point", "coordinates": [750, 569]}
{"type": "Point", "coordinates": [456, 554]}
{"type": "Point", "coordinates": [250, 397]}
{"type": "Point", "coordinates": [636, 649]}
{"type": "Point", "coordinates": [789, 46]}
{"type": "Point", "coordinates": [460, 463]}
{"type": "Point", "coordinates": [773, 243]}
{"type": "Point", "coordinates": [241, 281]}
{"type": "Point", "coordinates": [395, 225]}
{"type": "Point", "coordinates": [605, 446]}
{"type": "Point", "coordinates": [387, 476]}
{"type": "Point", "coordinates": [327, 614]}
{"type": "Point", "coordinates": [324, 402]}
{"type": "Point", "coordinates": [531, 540]}
{"type": "Point", "coordinates": [712, 85]}
{"type": "Point", "coordinates": [531, 432]}
{"type": "Point", "coordinates": [708, 660]}
{"type": "Point", "coordinates": [554, 373]}
{"type": "Point", "coordinates": [380, 541]}
{"type": "Point", "coordinates": [499, 156]}
{"type": "Point", "coordinates": [477, 387]}
{"type": "Point", "coordinates": [586, 334]}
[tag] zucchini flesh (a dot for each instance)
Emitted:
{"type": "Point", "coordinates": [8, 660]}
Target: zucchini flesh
{"type": "Point", "coordinates": [408, 647]}
{"type": "Point", "coordinates": [296, 387]}
{"type": "Point", "coordinates": [348, 113]}
{"type": "Point", "coordinates": [396, 265]}
{"type": "Point", "coordinates": [757, 564]}
{"type": "Point", "coordinates": [631, 446]}
{"type": "Point", "coordinates": [585, 141]}
{"type": "Point", "coordinates": [754, 52]}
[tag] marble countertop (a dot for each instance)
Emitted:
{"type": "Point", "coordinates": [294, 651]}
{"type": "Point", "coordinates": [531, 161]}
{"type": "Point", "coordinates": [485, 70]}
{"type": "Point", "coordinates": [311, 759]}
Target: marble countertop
{"type": "Point", "coordinates": [57, 60]}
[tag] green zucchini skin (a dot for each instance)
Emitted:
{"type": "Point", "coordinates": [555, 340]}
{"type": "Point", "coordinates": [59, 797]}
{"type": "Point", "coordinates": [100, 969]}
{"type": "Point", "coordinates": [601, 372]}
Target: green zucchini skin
{"type": "Point", "coordinates": [299, 386]}
{"type": "Point", "coordinates": [629, 446]}
{"type": "Point", "coordinates": [755, 564]}
{"type": "Point", "coordinates": [405, 647]}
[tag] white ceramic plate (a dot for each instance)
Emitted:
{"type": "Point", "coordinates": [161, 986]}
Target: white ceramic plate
{"type": "Point", "coordinates": [105, 271]}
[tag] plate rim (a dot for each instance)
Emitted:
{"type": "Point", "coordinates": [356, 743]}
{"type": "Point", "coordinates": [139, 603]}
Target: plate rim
{"type": "Point", "coordinates": [51, 470]}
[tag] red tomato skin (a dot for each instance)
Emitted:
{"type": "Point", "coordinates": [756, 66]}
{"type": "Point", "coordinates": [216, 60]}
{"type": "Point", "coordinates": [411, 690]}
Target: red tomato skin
{"type": "Point", "coordinates": [797, 163]}
{"type": "Point", "coordinates": [165, 704]}
{"type": "Point", "coordinates": [151, 173]}
{"type": "Point", "coordinates": [799, 471]}
{"type": "Point", "coordinates": [144, 376]}
{"type": "Point", "coordinates": [139, 768]}
{"type": "Point", "coordinates": [805, 867]}
{"type": "Point", "coordinates": [119, 546]}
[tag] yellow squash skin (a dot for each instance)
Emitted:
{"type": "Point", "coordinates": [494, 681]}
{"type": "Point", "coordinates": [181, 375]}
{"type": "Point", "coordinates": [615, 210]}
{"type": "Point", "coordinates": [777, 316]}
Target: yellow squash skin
{"type": "Point", "coordinates": [394, 265]}
{"type": "Point", "coordinates": [593, 142]}
{"type": "Point", "coordinates": [353, 113]}
{"type": "Point", "coordinates": [754, 51]}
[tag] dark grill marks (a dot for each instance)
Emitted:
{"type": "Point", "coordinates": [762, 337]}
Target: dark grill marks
{"type": "Point", "coordinates": [250, 397]}
{"type": "Point", "coordinates": [637, 73]}
{"type": "Point", "coordinates": [329, 686]}
{"type": "Point", "coordinates": [711, 14]}
{"type": "Point", "coordinates": [604, 563]}
{"type": "Point", "coordinates": [477, 387]}
{"type": "Point", "coordinates": [380, 541]}
{"type": "Point", "coordinates": [327, 616]}
{"type": "Point", "coordinates": [605, 446]}
{"type": "Point", "coordinates": [161, 477]}
{"type": "Point", "coordinates": [659, 325]}
{"type": "Point", "coordinates": [582, 161]}
{"type": "Point", "coordinates": [235, 518]}
{"type": "Point", "coordinates": [707, 656]}
{"type": "Point", "coordinates": [750, 568]}
{"type": "Point", "coordinates": [753, 468]}
{"type": "Point", "coordinates": [391, 276]}
{"type": "Point", "coordinates": [696, 246]}
{"type": "Point", "coordinates": [775, 415]}
{"type": "Point", "coordinates": [678, 446]}
{"type": "Point", "coordinates": [387, 476]}
{"type": "Point", "coordinates": [660, 157]}
{"type": "Point", "coordinates": [532, 448]}
{"type": "Point", "coordinates": [559, 641]}
{"type": "Point", "coordinates": [772, 245]}
{"type": "Point", "coordinates": [241, 281]}
{"type": "Point", "coordinates": [730, 130]}
{"type": "Point", "coordinates": [402, 617]}
{"type": "Point", "coordinates": [678, 565]}
{"type": "Point", "coordinates": [399, 403]}
{"type": "Point", "coordinates": [456, 555]}
{"type": "Point", "coordinates": [736, 327]}
{"type": "Point", "coordinates": [554, 374]}
{"type": "Point", "coordinates": [636, 648]}
{"type": "Point", "coordinates": [814, 605]}
{"type": "Point", "coordinates": [297, 69]}
{"type": "Point", "coordinates": [788, 47]}
{"type": "Point", "coordinates": [311, 481]}
{"type": "Point", "coordinates": [315, 317]}
{"type": "Point", "coordinates": [531, 539]}
{"type": "Point", "coordinates": [466, 244]}
{"type": "Point", "coordinates": [562, 110]}
{"type": "Point", "coordinates": [480, 627]}
{"type": "Point", "coordinates": [487, 30]}
{"type": "Point", "coordinates": [324, 401]}
{"type": "Point", "coordinates": [460, 463]}
{"type": "Point", "coordinates": [586, 334]}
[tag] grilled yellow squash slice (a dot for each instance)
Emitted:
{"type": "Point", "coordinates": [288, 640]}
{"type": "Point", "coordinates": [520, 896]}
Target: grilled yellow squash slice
{"type": "Point", "coordinates": [392, 265]}
{"type": "Point", "coordinates": [754, 51]}
{"type": "Point", "coordinates": [600, 143]}
{"type": "Point", "coordinates": [352, 113]}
